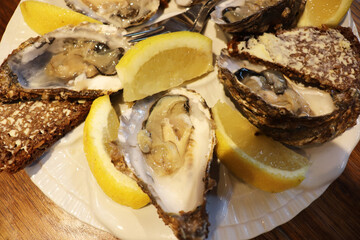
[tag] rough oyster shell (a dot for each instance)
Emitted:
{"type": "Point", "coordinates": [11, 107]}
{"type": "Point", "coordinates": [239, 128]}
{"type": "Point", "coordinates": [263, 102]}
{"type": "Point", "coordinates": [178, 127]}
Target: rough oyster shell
{"type": "Point", "coordinates": [120, 13]}
{"type": "Point", "coordinates": [279, 121]}
{"type": "Point", "coordinates": [70, 62]}
{"type": "Point", "coordinates": [248, 16]}
{"type": "Point", "coordinates": [167, 140]}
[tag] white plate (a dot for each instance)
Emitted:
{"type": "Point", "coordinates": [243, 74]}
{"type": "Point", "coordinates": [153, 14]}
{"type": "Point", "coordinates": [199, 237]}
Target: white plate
{"type": "Point", "coordinates": [237, 211]}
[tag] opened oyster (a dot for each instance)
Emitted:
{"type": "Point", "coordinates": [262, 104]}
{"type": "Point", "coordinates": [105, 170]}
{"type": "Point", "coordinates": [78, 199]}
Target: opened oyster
{"type": "Point", "coordinates": [167, 140]}
{"type": "Point", "coordinates": [70, 62]}
{"type": "Point", "coordinates": [120, 13]}
{"type": "Point", "coordinates": [249, 16]}
{"type": "Point", "coordinates": [288, 111]}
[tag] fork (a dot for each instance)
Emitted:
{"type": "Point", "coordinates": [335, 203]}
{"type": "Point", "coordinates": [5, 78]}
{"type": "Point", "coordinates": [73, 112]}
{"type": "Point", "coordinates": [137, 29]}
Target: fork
{"type": "Point", "coordinates": [194, 20]}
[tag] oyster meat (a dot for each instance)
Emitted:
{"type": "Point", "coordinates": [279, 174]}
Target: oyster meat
{"type": "Point", "coordinates": [257, 16]}
{"type": "Point", "coordinates": [168, 140]}
{"type": "Point", "coordinates": [298, 86]}
{"type": "Point", "coordinates": [70, 62]}
{"type": "Point", "coordinates": [120, 13]}
{"type": "Point", "coordinates": [287, 110]}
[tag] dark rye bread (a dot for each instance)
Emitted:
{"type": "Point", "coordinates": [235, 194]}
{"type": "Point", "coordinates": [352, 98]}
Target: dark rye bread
{"type": "Point", "coordinates": [28, 129]}
{"type": "Point", "coordinates": [322, 57]}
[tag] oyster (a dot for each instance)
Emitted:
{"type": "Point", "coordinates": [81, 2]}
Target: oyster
{"type": "Point", "coordinates": [120, 13]}
{"type": "Point", "coordinates": [287, 110]}
{"type": "Point", "coordinates": [168, 140]}
{"type": "Point", "coordinates": [249, 16]}
{"type": "Point", "coordinates": [70, 62]}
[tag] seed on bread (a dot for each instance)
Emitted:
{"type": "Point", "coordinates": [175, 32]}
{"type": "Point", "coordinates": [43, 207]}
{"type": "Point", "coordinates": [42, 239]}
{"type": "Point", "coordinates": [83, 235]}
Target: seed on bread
{"type": "Point", "coordinates": [28, 128]}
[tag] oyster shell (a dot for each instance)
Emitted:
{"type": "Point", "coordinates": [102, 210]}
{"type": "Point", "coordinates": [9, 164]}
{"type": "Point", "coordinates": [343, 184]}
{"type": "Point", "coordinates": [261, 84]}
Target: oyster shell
{"type": "Point", "coordinates": [249, 16]}
{"type": "Point", "coordinates": [120, 13]}
{"type": "Point", "coordinates": [289, 111]}
{"type": "Point", "coordinates": [168, 140]}
{"type": "Point", "coordinates": [70, 62]}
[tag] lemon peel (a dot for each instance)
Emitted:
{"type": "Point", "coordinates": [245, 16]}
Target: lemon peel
{"type": "Point", "coordinates": [162, 62]}
{"type": "Point", "coordinates": [43, 17]}
{"type": "Point", "coordinates": [101, 127]}
{"type": "Point", "coordinates": [255, 158]}
{"type": "Point", "coordinates": [324, 12]}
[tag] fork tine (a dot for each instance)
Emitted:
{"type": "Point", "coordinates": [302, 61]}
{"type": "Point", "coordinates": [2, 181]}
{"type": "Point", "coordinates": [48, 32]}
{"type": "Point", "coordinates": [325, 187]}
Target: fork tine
{"type": "Point", "coordinates": [144, 31]}
{"type": "Point", "coordinates": [139, 36]}
{"type": "Point", "coordinates": [193, 19]}
{"type": "Point", "coordinates": [143, 38]}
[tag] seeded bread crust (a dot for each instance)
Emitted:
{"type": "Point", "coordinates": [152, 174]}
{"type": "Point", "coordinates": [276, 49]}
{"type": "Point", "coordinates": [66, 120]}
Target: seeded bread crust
{"type": "Point", "coordinates": [28, 129]}
{"type": "Point", "coordinates": [322, 57]}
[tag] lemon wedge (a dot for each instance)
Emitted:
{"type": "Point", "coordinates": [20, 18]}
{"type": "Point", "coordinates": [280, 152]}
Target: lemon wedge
{"type": "Point", "coordinates": [327, 12]}
{"type": "Point", "coordinates": [253, 157]}
{"type": "Point", "coordinates": [162, 62]}
{"type": "Point", "coordinates": [43, 17]}
{"type": "Point", "coordinates": [101, 127]}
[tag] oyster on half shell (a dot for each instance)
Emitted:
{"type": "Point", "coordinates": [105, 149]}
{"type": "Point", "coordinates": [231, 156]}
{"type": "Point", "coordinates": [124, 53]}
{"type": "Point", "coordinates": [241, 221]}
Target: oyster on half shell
{"type": "Point", "coordinates": [257, 16]}
{"type": "Point", "coordinates": [120, 13]}
{"type": "Point", "coordinates": [70, 62]}
{"type": "Point", "coordinates": [167, 140]}
{"type": "Point", "coordinates": [287, 110]}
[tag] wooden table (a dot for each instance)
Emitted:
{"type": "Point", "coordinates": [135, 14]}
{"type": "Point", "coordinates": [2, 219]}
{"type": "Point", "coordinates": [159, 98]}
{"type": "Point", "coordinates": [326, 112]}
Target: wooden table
{"type": "Point", "coordinates": [26, 213]}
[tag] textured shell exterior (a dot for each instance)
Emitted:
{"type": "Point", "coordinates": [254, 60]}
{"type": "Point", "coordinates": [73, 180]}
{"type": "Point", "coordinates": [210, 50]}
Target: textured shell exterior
{"type": "Point", "coordinates": [282, 15]}
{"type": "Point", "coordinates": [12, 90]}
{"type": "Point", "coordinates": [283, 125]}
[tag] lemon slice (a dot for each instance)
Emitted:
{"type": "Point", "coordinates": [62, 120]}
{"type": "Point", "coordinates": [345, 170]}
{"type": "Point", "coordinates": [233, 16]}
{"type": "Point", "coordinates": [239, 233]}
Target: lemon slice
{"type": "Point", "coordinates": [255, 158]}
{"type": "Point", "coordinates": [162, 62]}
{"type": "Point", "coordinates": [43, 17]}
{"type": "Point", "coordinates": [327, 12]}
{"type": "Point", "coordinates": [101, 127]}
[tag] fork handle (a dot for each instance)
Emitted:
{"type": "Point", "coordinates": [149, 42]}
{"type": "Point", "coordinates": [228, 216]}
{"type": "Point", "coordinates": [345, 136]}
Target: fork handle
{"type": "Point", "coordinates": [200, 21]}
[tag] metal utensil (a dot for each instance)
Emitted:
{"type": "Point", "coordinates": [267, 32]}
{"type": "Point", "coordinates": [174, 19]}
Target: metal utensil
{"type": "Point", "coordinates": [194, 19]}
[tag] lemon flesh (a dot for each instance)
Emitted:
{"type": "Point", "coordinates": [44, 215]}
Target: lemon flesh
{"type": "Point", "coordinates": [43, 17]}
{"type": "Point", "coordinates": [101, 127]}
{"type": "Point", "coordinates": [162, 62]}
{"type": "Point", "coordinates": [253, 157]}
{"type": "Point", "coordinates": [324, 12]}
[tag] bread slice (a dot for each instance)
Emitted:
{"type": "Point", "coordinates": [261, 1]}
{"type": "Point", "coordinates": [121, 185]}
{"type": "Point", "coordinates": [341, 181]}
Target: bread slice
{"type": "Point", "coordinates": [29, 128]}
{"type": "Point", "coordinates": [322, 57]}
